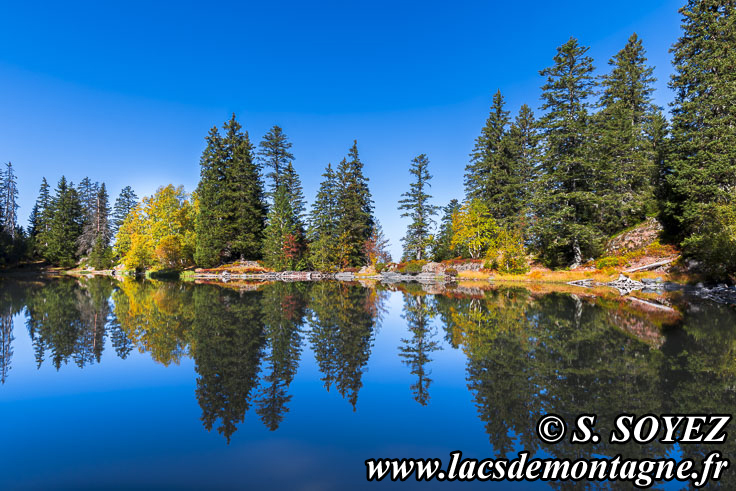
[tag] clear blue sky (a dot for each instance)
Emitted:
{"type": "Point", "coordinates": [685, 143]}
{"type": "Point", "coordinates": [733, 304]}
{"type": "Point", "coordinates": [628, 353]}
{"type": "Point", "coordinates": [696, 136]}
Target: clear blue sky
{"type": "Point", "coordinates": [125, 92]}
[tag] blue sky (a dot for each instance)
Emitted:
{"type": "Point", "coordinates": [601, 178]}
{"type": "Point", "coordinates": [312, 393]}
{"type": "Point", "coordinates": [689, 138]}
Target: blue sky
{"type": "Point", "coordinates": [125, 92]}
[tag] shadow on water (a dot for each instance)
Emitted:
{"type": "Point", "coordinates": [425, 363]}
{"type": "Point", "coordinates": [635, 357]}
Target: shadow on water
{"type": "Point", "coordinates": [527, 353]}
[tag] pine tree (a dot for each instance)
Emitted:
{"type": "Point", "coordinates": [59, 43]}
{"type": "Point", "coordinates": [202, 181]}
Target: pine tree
{"type": "Point", "coordinates": [293, 185]}
{"type": "Point", "coordinates": [442, 248]}
{"type": "Point", "coordinates": [282, 244]}
{"type": "Point", "coordinates": [96, 233]}
{"type": "Point", "coordinates": [126, 201]}
{"type": "Point", "coordinates": [701, 178]}
{"type": "Point", "coordinates": [490, 172]}
{"type": "Point", "coordinates": [246, 207]}
{"type": "Point", "coordinates": [523, 143]}
{"type": "Point", "coordinates": [416, 206]}
{"type": "Point", "coordinates": [40, 219]}
{"type": "Point", "coordinates": [232, 209]}
{"type": "Point", "coordinates": [354, 211]}
{"type": "Point", "coordinates": [9, 201]}
{"type": "Point", "coordinates": [567, 202]}
{"type": "Point", "coordinates": [87, 191]}
{"type": "Point", "coordinates": [67, 217]}
{"type": "Point", "coordinates": [322, 232]}
{"type": "Point", "coordinates": [210, 235]}
{"type": "Point", "coordinates": [625, 151]}
{"type": "Point", "coordinates": [275, 154]}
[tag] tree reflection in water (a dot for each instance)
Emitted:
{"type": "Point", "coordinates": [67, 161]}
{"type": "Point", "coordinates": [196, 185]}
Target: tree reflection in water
{"type": "Point", "coordinates": [416, 351]}
{"type": "Point", "coordinates": [526, 353]}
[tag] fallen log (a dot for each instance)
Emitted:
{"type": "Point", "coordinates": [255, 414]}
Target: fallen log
{"type": "Point", "coordinates": [650, 266]}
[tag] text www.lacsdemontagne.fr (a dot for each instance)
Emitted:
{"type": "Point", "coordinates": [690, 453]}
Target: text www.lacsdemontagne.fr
{"type": "Point", "coordinates": [640, 472]}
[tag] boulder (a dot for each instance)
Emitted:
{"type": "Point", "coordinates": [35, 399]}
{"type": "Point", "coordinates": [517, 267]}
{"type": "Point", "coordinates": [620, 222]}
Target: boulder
{"type": "Point", "coordinates": [434, 268]}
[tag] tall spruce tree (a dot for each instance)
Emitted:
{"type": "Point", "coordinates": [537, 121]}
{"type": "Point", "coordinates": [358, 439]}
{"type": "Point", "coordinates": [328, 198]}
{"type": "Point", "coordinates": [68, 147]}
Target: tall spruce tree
{"type": "Point", "coordinates": [40, 219]}
{"type": "Point", "coordinates": [442, 247]}
{"type": "Point", "coordinates": [9, 201]}
{"type": "Point", "coordinates": [524, 146]}
{"type": "Point", "coordinates": [490, 172]}
{"type": "Point", "coordinates": [417, 207]}
{"type": "Point", "coordinates": [293, 185]}
{"type": "Point", "coordinates": [96, 233]}
{"type": "Point", "coordinates": [624, 149]}
{"type": "Point", "coordinates": [700, 207]}
{"type": "Point", "coordinates": [274, 153]}
{"type": "Point", "coordinates": [87, 191]}
{"type": "Point", "coordinates": [567, 202]}
{"type": "Point", "coordinates": [322, 232]}
{"type": "Point", "coordinates": [67, 217]}
{"type": "Point", "coordinates": [126, 201]}
{"type": "Point", "coordinates": [354, 211]}
{"type": "Point", "coordinates": [232, 208]}
{"type": "Point", "coordinates": [282, 241]}
{"type": "Point", "coordinates": [244, 196]}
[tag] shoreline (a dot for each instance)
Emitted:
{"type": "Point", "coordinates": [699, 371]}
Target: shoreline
{"type": "Point", "coordinates": [656, 283]}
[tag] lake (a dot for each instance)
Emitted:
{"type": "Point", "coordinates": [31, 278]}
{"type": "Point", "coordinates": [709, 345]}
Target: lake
{"type": "Point", "coordinates": [175, 385]}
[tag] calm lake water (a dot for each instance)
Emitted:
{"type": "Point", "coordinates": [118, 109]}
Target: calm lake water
{"type": "Point", "coordinates": [170, 385]}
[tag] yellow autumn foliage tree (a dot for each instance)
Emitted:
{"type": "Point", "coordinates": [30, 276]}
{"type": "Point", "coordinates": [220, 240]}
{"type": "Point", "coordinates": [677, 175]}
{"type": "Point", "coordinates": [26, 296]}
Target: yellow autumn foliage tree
{"type": "Point", "coordinates": [159, 232]}
{"type": "Point", "coordinates": [474, 229]}
{"type": "Point", "coordinates": [477, 234]}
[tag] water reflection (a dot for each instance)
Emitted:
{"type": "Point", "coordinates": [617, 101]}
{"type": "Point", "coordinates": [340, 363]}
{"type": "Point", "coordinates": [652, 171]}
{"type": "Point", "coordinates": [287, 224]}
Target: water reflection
{"type": "Point", "coordinates": [527, 353]}
{"type": "Point", "coordinates": [416, 351]}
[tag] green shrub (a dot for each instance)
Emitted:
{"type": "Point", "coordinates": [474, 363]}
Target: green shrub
{"type": "Point", "coordinates": [379, 267]}
{"type": "Point", "coordinates": [714, 243]}
{"type": "Point", "coordinates": [412, 267]}
{"type": "Point", "coordinates": [609, 262]}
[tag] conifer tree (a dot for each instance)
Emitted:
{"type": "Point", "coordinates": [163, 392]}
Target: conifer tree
{"type": "Point", "coordinates": [9, 201]}
{"type": "Point", "coordinates": [293, 185]}
{"type": "Point", "coordinates": [354, 211]}
{"type": "Point", "coordinates": [244, 198]}
{"type": "Point", "coordinates": [567, 200]}
{"type": "Point", "coordinates": [125, 202]}
{"type": "Point", "coordinates": [442, 247]}
{"type": "Point", "coordinates": [40, 219]}
{"type": "Point", "coordinates": [701, 178]}
{"type": "Point", "coordinates": [274, 153]}
{"type": "Point", "coordinates": [210, 237]}
{"type": "Point", "coordinates": [322, 232]}
{"type": "Point", "coordinates": [523, 143]}
{"type": "Point", "coordinates": [67, 217]}
{"type": "Point", "coordinates": [417, 207]}
{"type": "Point", "coordinates": [489, 169]}
{"type": "Point", "coordinates": [282, 242]}
{"type": "Point", "coordinates": [624, 149]}
{"type": "Point", "coordinates": [87, 191]}
{"type": "Point", "coordinates": [232, 209]}
{"type": "Point", "coordinates": [96, 233]}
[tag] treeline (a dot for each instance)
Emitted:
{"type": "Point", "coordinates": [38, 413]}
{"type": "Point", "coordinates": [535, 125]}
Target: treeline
{"type": "Point", "coordinates": [76, 222]}
{"type": "Point", "coordinates": [601, 158]}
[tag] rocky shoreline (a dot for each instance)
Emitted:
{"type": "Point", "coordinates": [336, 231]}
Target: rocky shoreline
{"type": "Point", "coordinates": [384, 277]}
